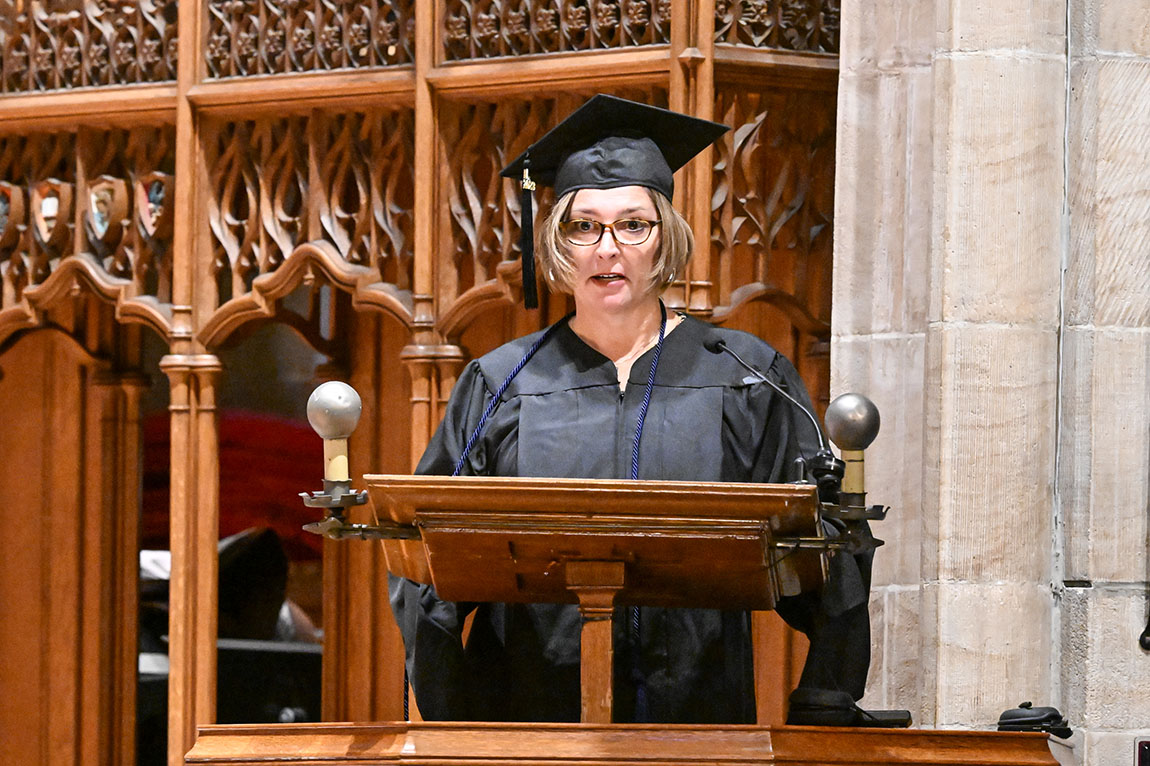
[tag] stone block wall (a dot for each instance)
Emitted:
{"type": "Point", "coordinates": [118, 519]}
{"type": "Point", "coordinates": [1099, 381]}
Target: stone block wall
{"type": "Point", "coordinates": [881, 290]}
{"type": "Point", "coordinates": [992, 295]}
{"type": "Point", "coordinates": [1104, 478]}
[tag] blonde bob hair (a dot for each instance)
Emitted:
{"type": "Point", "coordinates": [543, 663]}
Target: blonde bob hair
{"type": "Point", "coordinates": [676, 244]}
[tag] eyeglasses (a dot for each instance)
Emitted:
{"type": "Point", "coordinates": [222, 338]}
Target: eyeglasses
{"type": "Point", "coordinates": [626, 231]}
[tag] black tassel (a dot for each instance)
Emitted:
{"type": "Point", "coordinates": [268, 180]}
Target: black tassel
{"type": "Point", "coordinates": [527, 237]}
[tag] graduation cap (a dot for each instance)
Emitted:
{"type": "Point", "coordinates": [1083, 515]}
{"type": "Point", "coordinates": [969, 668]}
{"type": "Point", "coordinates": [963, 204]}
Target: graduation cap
{"type": "Point", "coordinates": [606, 143]}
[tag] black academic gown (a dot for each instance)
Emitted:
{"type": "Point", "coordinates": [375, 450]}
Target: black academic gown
{"type": "Point", "coordinates": [564, 416]}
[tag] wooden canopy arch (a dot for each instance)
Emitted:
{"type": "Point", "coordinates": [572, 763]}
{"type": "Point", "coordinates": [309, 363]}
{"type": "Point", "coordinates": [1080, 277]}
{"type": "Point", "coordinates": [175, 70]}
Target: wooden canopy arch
{"type": "Point", "coordinates": [308, 263]}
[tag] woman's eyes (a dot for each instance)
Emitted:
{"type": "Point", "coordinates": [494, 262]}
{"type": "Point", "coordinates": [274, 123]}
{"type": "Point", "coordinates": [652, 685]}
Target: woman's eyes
{"type": "Point", "coordinates": [631, 224]}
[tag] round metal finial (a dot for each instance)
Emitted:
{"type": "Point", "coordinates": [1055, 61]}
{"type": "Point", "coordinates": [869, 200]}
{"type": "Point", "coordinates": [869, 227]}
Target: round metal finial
{"type": "Point", "coordinates": [333, 409]}
{"type": "Point", "coordinates": [852, 421]}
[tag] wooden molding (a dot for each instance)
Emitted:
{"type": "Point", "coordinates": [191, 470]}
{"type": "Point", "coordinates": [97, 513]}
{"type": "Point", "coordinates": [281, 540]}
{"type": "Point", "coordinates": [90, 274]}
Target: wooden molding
{"type": "Point", "coordinates": [584, 70]}
{"type": "Point", "coordinates": [759, 67]}
{"type": "Point", "coordinates": [125, 106]}
{"type": "Point", "coordinates": [505, 289]}
{"type": "Point", "coordinates": [15, 319]}
{"type": "Point", "coordinates": [449, 744]}
{"type": "Point", "coordinates": [82, 273]}
{"type": "Point", "coordinates": [784, 301]}
{"type": "Point", "coordinates": [399, 494]}
{"type": "Point", "coordinates": [273, 94]}
{"type": "Point", "coordinates": [301, 265]}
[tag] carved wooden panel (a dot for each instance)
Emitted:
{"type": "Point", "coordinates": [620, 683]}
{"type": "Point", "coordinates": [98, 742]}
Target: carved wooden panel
{"type": "Point", "coordinates": [36, 199]}
{"type": "Point", "coordinates": [247, 37]}
{"type": "Point", "coordinates": [128, 212]}
{"type": "Point", "coordinates": [122, 203]}
{"type": "Point", "coordinates": [298, 190]}
{"type": "Point", "coordinates": [773, 200]}
{"type": "Point", "coordinates": [484, 207]}
{"type": "Point", "coordinates": [475, 29]}
{"type": "Point", "coordinates": [344, 179]}
{"type": "Point", "coordinates": [794, 25]}
{"type": "Point", "coordinates": [365, 166]}
{"type": "Point", "coordinates": [242, 248]}
{"type": "Point", "coordinates": [79, 43]}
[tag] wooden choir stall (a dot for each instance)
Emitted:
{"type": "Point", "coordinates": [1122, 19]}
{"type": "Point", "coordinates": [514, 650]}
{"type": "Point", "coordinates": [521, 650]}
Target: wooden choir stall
{"type": "Point", "coordinates": [600, 544]}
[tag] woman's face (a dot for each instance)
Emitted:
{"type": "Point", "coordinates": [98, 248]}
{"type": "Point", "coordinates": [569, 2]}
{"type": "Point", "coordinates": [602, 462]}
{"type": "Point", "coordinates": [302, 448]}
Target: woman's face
{"type": "Point", "coordinates": [609, 276]}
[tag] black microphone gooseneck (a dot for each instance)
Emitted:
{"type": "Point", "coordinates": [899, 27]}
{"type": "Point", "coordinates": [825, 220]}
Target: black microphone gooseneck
{"type": "Point", "coordinates": [827, 469]}
{"type": "Point", "coordinates": [718, 346]}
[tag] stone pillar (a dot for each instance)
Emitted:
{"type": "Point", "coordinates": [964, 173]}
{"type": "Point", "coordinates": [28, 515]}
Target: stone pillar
{"type": "Point", "coordinates": [991, 385]}
{"type": "Point", "coordinates": [1104, 476]}
{"type": "Point", "coordinates": [881, 283]}
{"type": "Point", "coordinates": [1027, 526]}
{"type": "Point", "coordinates": [949, 247]}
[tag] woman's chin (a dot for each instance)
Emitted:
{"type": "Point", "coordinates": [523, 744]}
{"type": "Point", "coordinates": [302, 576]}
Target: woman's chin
{"type": "Point", "coordinates": [614, 301]}
{"type": "Point", "coordinates": [610, 297]}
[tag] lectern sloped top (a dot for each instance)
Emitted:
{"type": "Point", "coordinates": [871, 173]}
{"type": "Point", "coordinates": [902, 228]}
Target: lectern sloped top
{"type": "Point", "coordinates": [687, 544]}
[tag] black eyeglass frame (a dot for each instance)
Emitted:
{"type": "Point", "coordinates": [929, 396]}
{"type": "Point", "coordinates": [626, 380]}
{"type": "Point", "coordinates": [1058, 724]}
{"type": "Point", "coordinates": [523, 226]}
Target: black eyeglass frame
{"type": "Point", "coordinates": [604, 227]}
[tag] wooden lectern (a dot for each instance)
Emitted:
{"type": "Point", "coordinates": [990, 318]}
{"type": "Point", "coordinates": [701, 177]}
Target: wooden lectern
{"type": "Point", "coordinates": [603, 543]}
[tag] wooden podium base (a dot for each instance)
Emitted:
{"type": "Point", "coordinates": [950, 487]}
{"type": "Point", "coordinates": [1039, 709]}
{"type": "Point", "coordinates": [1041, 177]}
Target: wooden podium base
{"type": "Point", "coordinates": [522, 744]}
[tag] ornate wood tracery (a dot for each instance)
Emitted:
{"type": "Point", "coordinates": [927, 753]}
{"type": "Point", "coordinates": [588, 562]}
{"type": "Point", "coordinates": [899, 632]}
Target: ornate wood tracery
{"type": "Point", "coordinates": [255, 37]}
{"type": "Point", "coordinates": [77, 43]}
{"type": "Point", "coordinates": [475, 29]}
{"type": "Point", "coordinates": [772, 204]}
{"type": "Point", "coordinates": [92, 205]}
{"type": "Point", "coordinates": [794, 25]}
{"type": "Point", "coordinates": [352, 150]}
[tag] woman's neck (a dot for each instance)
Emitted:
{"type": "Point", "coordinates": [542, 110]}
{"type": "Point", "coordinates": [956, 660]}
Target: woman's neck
{"type": "Point", "coordinates": [620, 335]}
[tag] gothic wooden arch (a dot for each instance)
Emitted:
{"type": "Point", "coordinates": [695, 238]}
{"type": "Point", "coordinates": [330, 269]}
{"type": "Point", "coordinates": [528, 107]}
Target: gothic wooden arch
{"type": "Point", "coordinates": [307, 264]}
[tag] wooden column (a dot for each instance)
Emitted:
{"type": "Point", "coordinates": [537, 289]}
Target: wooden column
{"type": "Point", "coordinates": [110, 559]}
{"type": "Point", "coordinates": [70, 571]}
{"type": "Point", "coordinates": [699, 59]}
{"type": "Point", "coordinates": [596, 583]}
{"type": "Point", "coordinates": [427, 208]}
{"type": "Point", "coordinates": [363, 666]}
{"type": "Point", "coordinates": [433, 370]}
{"type": "Point", "coordinates": [192, 375]}
{"type": "Point", "coordinates": [194, 539]}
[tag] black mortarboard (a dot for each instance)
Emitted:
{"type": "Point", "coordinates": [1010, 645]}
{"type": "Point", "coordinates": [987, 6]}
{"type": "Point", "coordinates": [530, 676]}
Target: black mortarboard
{"type": "Point", "coordinates": [606, 143]}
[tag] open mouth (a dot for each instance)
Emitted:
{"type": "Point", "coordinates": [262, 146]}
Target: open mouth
{"type": "Point", "coordinates": [608, 277]}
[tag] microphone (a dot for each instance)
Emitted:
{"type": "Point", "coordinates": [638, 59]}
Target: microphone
{"type": "Point", "coordinates": [826, 468]}
{"type": "Point", "coordinates": [855, 426]}
{"type": "Point", "coordinates": [719, 346]}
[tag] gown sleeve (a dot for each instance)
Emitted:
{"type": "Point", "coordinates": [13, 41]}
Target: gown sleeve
{"type": "Point", "coordinates": [464, 410]}
{"type": "Point", "coordinates": [432, 629]}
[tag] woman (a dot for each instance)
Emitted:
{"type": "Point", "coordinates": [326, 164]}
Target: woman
{"type": "Point", "coordinates": [619, 389]}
